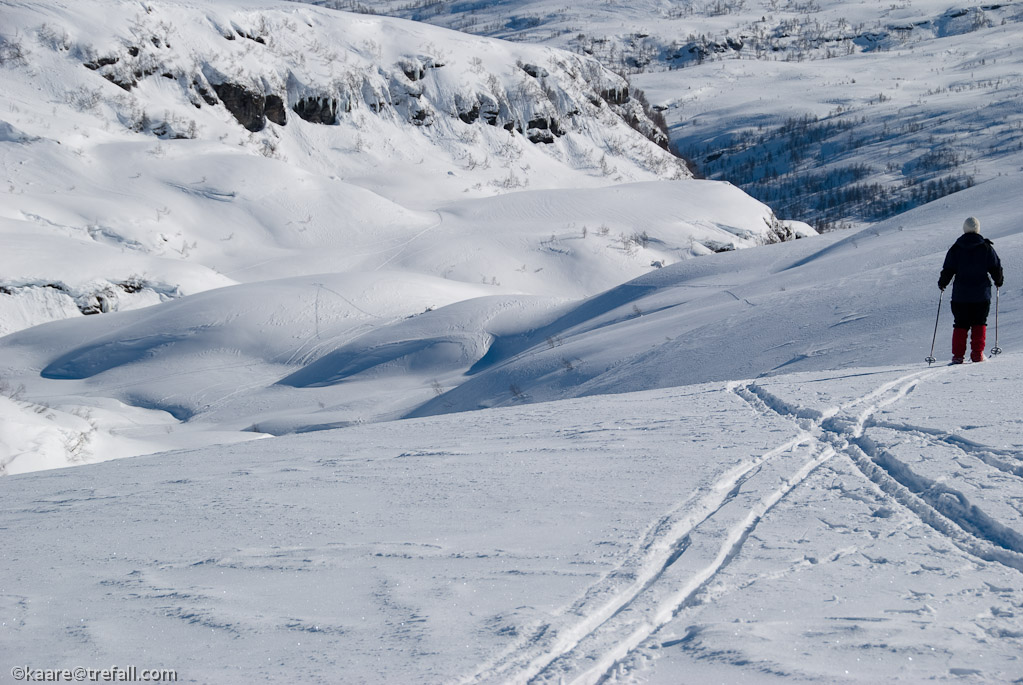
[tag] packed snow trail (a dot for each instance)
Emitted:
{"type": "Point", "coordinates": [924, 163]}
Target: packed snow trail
{"type": "Point", "coordinates": [695, 541]}
{"type": "Point", "coordinates": [840, 430]}
{"type": "Point", "coordinates": [937, 504]}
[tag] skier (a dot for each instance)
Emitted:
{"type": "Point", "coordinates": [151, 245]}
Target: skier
{"type": "Point", "coordinates": [969, 261]}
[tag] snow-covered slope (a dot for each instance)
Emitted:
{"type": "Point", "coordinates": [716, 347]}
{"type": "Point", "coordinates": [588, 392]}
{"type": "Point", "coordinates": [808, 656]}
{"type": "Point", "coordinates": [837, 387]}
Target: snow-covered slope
{"type": "Point", "coordinates": [852, 526]}
{"type": "Point", "coordinates": [317, 352]}
{"type": "Point", "coordinates": [734, 468]}
{"type": "Point", "coordinates": [341, 172]}
{"type": "Point", "coordinates": [836, 112]}
{"type": "Point", "coordinates": [844, 300]}
{"type": "Point", "coordinates": [164, 149]}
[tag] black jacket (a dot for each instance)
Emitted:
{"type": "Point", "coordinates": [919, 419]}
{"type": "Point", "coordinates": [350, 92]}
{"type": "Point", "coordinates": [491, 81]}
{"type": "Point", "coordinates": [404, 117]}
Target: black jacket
{"type": "Point", "coordinates": [969, 261]}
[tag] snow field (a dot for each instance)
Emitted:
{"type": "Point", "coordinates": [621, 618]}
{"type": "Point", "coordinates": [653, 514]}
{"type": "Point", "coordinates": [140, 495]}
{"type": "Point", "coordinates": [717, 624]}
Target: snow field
{"type": "Point", "coordinates": [721, 530]}
{"type": "Point", "coordinates": [732, 468]}
{"type": "Point", "coordinates": [108, 211]}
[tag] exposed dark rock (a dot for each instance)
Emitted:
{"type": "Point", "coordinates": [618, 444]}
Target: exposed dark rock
{"type": "Point", "coordinates": [413, 72]}
{"type": "Point", "coordinates": [544, 130]}
{"type": "Point", "coordinates": [98, 303]}
{"type": "Point", "coordinates": [119, 80]}
{"type": "Point", "coordinates": [204, 93]}
{"type": "Point", "coordinates": [415, 68]}
{"type": "Point", "coordinates": [133, 284]}
{"type": "Point", "coordinates": [275, 110]}
{"type": "Point", "coordinates": [399, 91]}
{"type": "Point", "coordinates": [616, 96]}
{"type": "Point", "coordinates": [535, 71]}
{"type": "Point", "coordinates": [248, 107]}
{"type": "Point", "coordinates": [168, 132]}
{"type": "Point", "coordinates": [537, 135]}
{"type": "Point", "coordinates": [317, 110]}
{"type": "Point", "coordinates": [252, 37]}
{"type": "Point", "coordinates": [422, 117]}
{"type": "Point", "coordinates": [102, 62]}
{"type": "Point", "coordinates": [133, 51]}
{"type": "Point", "coordinates": [472, 115]}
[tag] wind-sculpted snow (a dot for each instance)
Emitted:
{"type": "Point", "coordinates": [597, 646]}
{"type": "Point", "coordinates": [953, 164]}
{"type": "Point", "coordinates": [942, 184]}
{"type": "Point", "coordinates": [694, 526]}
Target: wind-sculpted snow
{"type": "Point", "coordinates": [840, 301]}
{"type": "Point", "coordinates": [118, 145]}
{"type": "Point", "coordinates": [747, 530]}
{"type": "Point", "coordinates": [731, 468]}
{"type": "Point", "coordinates": [141, 173]}
{"type": "Point", "coordinates": [326, 351]}
{"type": "Point", "coordinates": [403, 321]}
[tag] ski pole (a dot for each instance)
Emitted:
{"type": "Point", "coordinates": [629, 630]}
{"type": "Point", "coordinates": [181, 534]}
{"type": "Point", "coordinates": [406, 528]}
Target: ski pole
{"type": "Point", "coordinates": [930, 358]}
{"type": "Point", "coordinates": [996, 350]}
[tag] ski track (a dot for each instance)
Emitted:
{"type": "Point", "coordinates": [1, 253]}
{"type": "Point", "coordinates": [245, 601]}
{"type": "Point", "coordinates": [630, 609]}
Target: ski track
{"type": "Point", "coordinates": [943, 508]}
{"type": "Point", "coordinates": [992, 456]}
{"type": "Point", "coordinates": [663, 546]}
{"type": "Point", "coordinates": [686, 549]}
{"type": "Point", "coordinates": [680, 555]}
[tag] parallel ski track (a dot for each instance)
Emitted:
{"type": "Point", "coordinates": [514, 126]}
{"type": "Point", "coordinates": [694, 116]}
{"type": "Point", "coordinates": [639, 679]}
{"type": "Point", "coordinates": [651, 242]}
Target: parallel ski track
{"type": "Point", "coordinates": [606, 617]}
{"type": "Point", "coordinates": [730, 548]}
{"type": "Point", "coordinates": [1007, 461]}
{"type": "Point", "coordinates": [811, 422]}
{"type": "Point", "coordinates": [938, 505]}
{"type": "Point", "coordinates": [539, 659]}
{"type": "Point", "coordinates": [662, 546]}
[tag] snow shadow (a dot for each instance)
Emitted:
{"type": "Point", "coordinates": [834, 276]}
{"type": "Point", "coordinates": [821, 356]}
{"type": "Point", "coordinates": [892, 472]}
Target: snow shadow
{"type": "Point", "coordinates": [91, 360]}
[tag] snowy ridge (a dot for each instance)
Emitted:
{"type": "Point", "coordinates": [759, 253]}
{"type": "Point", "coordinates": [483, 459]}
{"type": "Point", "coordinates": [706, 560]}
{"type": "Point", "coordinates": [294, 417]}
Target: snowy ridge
{"type": "Point", "coordinates": [871, 109]}
{"type": "Point", "coordinates": [119, 146]}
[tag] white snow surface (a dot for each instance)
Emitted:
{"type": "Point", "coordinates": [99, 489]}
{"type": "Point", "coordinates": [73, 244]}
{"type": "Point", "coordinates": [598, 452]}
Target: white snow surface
{"type": "Point", "coordinates": [825, 508]}
{"type": "Point", "coordinates": [896, 95]}
{"type": "Point", "coordinates": [844, 526]}
{"type": "Point", "coordinates": [301, 239]}
{"type": "Point", "coordinates": [406, 425]}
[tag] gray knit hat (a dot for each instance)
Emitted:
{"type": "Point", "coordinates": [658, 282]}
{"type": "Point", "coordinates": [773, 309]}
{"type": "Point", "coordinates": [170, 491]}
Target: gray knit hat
{"type": "Point", "coordinates": [971, 225]}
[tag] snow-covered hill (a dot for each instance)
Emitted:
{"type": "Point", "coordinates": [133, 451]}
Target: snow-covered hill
{"type": "Point", "coordinates": [346, 171]}
{"type": "Point", "coordinates": [172, 148]}
{"type": "Point", "coordinates": [428, 399]}
{"type": "Point", "coordinates": [837, 112]}
{"type": "Point", "coordinates": [318, 352]}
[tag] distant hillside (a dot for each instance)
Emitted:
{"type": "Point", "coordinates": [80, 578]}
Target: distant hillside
{"type": "Point", "coordinates": [835, 113]}
{"type": "Point", "coordinates": [178, 147]}
{"type": "Point", "coordinates": [203, 199]}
